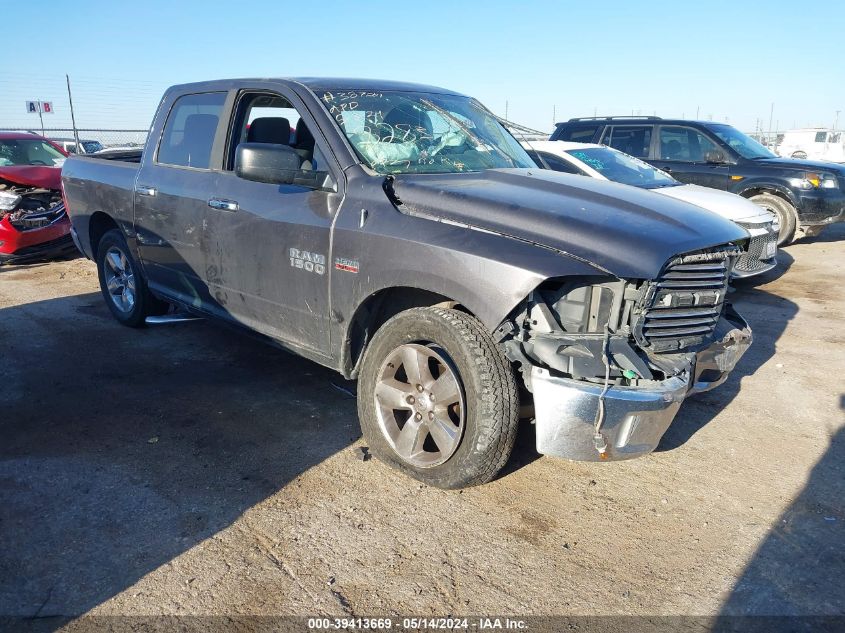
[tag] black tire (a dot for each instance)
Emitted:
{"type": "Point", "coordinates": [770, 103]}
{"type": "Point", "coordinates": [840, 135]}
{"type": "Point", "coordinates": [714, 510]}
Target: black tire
{"type": "Point", "coordinates": [489, 389]}
{"type": "Point", "coordinates": [785, 212]}
{"type": "Point", "coordinates": [144, 304]}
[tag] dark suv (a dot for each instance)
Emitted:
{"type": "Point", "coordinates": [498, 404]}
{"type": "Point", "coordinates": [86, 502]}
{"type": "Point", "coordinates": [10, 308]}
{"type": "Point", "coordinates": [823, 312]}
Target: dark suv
{"type": "Point", "coordinates": [805, 195]}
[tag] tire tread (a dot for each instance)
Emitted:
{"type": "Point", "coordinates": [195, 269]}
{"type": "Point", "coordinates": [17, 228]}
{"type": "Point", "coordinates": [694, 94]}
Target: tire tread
{"type": "Point", "coordinates": [496, 416]}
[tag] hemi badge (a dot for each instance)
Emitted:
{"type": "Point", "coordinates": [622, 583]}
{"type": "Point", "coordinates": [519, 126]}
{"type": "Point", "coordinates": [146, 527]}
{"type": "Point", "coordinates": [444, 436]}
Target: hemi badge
{"type": "Point", "coordinates": [347, 265]}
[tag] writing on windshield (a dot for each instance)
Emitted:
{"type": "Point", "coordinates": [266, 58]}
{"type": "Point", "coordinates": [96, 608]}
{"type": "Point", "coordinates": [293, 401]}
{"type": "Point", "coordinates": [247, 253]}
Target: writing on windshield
{"type": "Point", "coordinates": [408, 132]}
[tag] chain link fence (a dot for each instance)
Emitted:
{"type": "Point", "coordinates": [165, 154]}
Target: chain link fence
{"type": "Point", "coordinates": [771, 140]}
{"type": "Point", "coordinates": [91, 139]}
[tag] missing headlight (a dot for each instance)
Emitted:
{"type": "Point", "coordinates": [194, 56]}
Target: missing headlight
{"type": "Point", "coordinates": [587, 306]}
{"type": "Point", "coordinates": [566, 326]}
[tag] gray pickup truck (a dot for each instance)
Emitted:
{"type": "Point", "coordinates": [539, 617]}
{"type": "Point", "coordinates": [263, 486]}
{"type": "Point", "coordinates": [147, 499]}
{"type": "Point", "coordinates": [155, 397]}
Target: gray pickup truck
{"type": "Point", "coordinates": [400, 235]}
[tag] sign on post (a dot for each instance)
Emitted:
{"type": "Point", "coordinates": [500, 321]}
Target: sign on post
{"type": "Point", "coordinates": [39, 108]}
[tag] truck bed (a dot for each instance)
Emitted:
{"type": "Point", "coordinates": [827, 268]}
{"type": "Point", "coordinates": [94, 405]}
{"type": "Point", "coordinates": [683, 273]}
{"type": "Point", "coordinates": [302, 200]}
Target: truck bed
{"type": "Point", "coordinates": [113, 193]}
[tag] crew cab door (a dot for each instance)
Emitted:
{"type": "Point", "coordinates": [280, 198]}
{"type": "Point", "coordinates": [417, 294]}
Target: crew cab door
{"type": "Point", "coordinates": [690, 156]}
{"type": "Point", "coordinates": [268, 245]}
{"type": "Point", "coordinates": [171, 194]}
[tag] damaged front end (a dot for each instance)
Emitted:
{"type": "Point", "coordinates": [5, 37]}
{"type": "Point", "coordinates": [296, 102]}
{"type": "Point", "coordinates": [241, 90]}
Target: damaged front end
{"type": "Point", "coordinates": [610, 361]}
{"type": "Point", "coordinates": [33, 223]}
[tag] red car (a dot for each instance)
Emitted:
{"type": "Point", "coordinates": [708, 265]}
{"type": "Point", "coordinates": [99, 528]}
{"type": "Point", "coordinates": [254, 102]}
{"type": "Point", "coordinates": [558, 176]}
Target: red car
{"type": "Point", "coordinates": [33, 221]}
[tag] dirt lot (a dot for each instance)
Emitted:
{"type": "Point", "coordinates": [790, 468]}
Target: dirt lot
{"type": "Point", "coordinates": [187, 469]}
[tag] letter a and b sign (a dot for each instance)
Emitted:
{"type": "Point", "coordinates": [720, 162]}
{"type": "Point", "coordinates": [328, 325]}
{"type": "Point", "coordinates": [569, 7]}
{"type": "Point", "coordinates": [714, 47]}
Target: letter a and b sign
{"type": "Point", "coordinates": [39, 107]}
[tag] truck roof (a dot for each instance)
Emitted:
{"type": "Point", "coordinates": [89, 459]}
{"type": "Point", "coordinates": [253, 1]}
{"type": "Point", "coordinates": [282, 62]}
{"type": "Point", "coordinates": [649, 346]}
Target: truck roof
{"type": "Point", "coordinates": [321, 83]}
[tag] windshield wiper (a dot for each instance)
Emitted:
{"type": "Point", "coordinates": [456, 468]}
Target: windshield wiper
{"type": "Point", "coordinates": [479, 142]}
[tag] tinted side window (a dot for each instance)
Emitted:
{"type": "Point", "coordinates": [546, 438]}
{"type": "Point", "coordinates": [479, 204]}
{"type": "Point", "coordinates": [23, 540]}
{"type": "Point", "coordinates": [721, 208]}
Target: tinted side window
{"type": "Point", "coordinates": [821, 137]}
{"type": "Point", "coordinates": [684, 144]}
{"type": "Point", "coordinates": [631, 139]}
{"type": "Point", "coordinates": [190, 129]}
{"type": "Point", "coordinates": [579, 134]}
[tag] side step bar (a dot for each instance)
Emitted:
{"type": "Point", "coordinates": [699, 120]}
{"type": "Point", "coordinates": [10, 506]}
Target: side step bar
{"type": "Point", "coordinates": [177, 317]}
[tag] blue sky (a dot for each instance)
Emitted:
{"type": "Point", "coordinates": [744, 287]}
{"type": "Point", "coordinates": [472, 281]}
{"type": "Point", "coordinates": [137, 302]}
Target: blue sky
{"type": "Point", "coordinates": [726, 60]}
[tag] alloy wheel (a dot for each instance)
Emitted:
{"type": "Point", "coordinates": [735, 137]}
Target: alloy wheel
{"type": "Point", "coordinates": [420, 404]}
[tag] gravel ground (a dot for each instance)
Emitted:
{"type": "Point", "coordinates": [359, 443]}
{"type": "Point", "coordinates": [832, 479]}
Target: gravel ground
{"type": "Point", "coordinates": [188, 469]}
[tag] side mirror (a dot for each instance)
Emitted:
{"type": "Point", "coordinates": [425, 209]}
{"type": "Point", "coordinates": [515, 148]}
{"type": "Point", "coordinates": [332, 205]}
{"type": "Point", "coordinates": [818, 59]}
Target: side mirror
{"type": "Point", "coordinates": [716, 157]}
{"type": "Point", "coordinates": [266, 162]}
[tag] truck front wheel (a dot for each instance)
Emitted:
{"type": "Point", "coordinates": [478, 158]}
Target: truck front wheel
{"type": "Point", "coordinates": [122, 283]}
{"type": "Point", "coordinates": [438, 399]}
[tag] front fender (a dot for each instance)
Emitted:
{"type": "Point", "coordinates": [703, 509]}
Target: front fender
{"type": "Point", "coordinates": [489, 279]}
{"type": "Point", "coordinates": [749, 186]}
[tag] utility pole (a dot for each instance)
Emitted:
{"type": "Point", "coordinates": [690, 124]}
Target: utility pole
{"type": "Point", "coordinates": [836, 120]}
{"type": "Point", "coordinates": [554, 114]}
{"type": "Point", "coordinates": [72, 117]}
{"type": "Point", "coordinates": [771, 114]}
{"type": "Point", "coordinates": [697, 110]}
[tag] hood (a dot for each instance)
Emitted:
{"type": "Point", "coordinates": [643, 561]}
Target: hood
{"type": "Point", "coordinates": [622, 230]}
{"type": "Point", "coordinates": [728, 205]}
{"type": "Point", "coordinates": [33, 176]}
{"type": "Point", "coordinates": [804, 165]}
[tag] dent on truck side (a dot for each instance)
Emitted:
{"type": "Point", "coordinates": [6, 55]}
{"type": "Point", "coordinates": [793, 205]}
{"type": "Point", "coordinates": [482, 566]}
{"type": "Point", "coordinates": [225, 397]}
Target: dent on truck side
{"type": "Point", "coordinates": [93, 187]}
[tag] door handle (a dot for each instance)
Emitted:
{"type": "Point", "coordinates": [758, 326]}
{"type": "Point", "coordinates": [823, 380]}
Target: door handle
{"type": "Point", "coordinates": [223, 205]}
{"type": "Point", "coordinates": [144, 190]}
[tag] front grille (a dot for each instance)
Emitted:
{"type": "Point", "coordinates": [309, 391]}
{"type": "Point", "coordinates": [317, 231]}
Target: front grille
{"type": "Point", "coordinates": [755, 258]}
{"type": "Point", "coordinates": [680, 309]}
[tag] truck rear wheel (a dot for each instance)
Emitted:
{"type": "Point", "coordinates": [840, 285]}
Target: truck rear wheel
{"type": "Point", "coordinates": [122, 283]}
{"type": "Point", "coordinates": [437, 398]}
{"type": "Point", "coordinates": [785, 212]}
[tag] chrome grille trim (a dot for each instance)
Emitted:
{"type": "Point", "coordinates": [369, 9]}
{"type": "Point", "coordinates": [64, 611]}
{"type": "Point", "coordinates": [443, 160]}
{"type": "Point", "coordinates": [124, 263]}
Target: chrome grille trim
{"type": "Point", "coordinates": [680, 309]}
{"type": "Point", "coordinates": [753, 259]}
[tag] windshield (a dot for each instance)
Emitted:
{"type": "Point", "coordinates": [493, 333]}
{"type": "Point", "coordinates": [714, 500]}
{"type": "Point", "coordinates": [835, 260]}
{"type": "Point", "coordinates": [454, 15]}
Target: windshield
{"type": "Point", "coordinates": [619, 167]}
{"type": "Point", "coordinates": [743, 145]}
{"type": "Point", "coordinates": [91, 146]}
{"type": "Point", "coordinates": [29, 152]}
{"type": "Point", "coordinates": [414, 133]}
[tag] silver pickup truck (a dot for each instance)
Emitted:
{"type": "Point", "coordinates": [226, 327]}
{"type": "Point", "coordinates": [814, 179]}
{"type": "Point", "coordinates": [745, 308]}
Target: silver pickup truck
{"type": "Point", "coordinates": [400, 235]}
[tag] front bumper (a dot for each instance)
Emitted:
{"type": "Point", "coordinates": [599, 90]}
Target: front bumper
{"type": "Point", "coordinates": [635, 417]}
{"type": "Point", "coordinates": [45, 242]}
{"type": "Point", "coordinates": [762, 251]}
{"type": "Point", "coordinates": [820, 208]}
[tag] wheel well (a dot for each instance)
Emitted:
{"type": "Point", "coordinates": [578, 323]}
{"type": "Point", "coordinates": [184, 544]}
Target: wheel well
{"type": "Point", "coordinates": [754, 191]}
{"type": "Point", "coordinates": [98, 226]}
{"type": "Point", "coordinates": [375, 311]}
